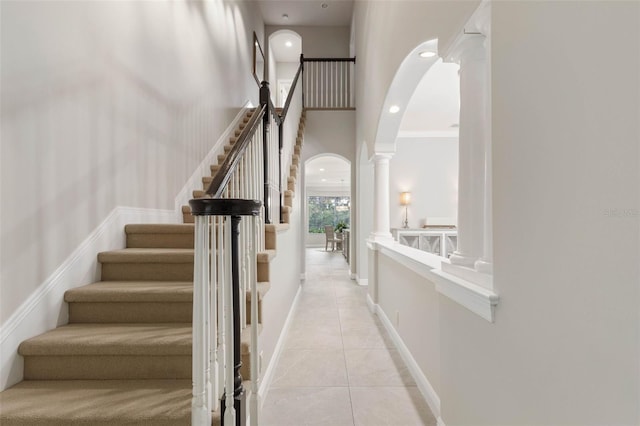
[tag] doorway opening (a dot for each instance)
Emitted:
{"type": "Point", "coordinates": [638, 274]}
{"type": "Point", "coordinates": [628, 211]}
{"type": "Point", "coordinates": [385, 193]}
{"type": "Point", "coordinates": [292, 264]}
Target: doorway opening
{"type": "Point", "coordinates": [328, 203]}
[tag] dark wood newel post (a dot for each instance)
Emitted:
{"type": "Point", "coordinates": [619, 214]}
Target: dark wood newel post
{"type": "Point", "coordinates": [302, 71]}
{"type": "Point", "coordinates": [264, 102]}
{"type": "Point", "coordinates": [280, 146]}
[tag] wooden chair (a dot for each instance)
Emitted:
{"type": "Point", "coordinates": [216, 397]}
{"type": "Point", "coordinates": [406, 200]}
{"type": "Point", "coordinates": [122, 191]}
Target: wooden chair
{"type": "Point", "coordinates": [330, 237]}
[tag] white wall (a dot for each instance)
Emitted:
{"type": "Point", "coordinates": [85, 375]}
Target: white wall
{"type": "Point", "coordinates": [332, 42]}
{"type": "Point", "coordinates": [565, 345]}
{"type": "Point", "coordinates": [107, 104]}
{"type": "Point", "coordinates": [428, 168]}
{"type": "Point", "coordinates": [287, 70]}
{"type": "Point", "coordinates": [364, 214]}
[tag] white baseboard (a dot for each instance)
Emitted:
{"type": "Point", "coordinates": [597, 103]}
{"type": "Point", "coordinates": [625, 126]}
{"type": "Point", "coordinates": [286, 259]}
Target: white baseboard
{"type": "Point", "coordinates": [204, 169]}
{"type": "Point", "coordinates": [267, 378]}
{"type": "Point", "coordinates": [372, 306]}
{"type": "Point", "coordinates": [45, 308]}
{"type": "Point", "coordinates": [362, 281]}
{"type": "Point", "coordinates": [427, 391]}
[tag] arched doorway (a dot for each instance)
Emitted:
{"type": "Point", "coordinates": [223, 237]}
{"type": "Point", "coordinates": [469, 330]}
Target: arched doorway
{"type": "Point", "coordinates": [328, 197]}
{"type": "Point", "coordinates": [285, 47]}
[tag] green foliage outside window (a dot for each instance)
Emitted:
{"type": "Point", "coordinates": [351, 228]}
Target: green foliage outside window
{"type": "Point", "coordinates": [327, 211]}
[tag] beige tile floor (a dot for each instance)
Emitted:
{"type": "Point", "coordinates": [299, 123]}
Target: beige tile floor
{"type": "Point", "coordinates": [338, 366]}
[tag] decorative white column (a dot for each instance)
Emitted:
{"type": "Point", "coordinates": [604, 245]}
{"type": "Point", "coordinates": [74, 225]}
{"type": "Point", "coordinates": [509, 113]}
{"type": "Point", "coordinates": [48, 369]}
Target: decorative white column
{"type": "Point", "coordinates": [485, 264]}
{"type": "Point", "coordinates": [381, 227]}
{"type": "Point", "coordinates": [471, 197]}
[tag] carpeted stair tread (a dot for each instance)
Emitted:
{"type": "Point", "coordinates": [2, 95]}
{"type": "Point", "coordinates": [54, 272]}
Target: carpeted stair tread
{"type": "Point", "coordinates": [266, 256]}
{"type": "Point", "coordinates": [132, 291]}
{"type": "Point", "coordinates": [111, 339]}
{"type": "Point", "coordinates": [118, 339]}
{"type": "Point", "coordinates": [159, 228]}
{"type": "Point", "coordinates": [98, 403]}
{"type": "Point", "coordinates": [147, 255]}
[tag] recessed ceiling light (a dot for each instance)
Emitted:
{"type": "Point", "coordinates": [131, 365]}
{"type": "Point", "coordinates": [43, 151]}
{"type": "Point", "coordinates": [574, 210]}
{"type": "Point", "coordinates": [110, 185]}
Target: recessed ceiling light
{"type": "Point", "coordinates": [288, 44]}
{"type": "Point", "coordinates": [324, 5]}
{"type": "Point", "coordinates": [322, 170]}
{"type": "Point", "coordinates": [285, 16]}
{"type": "Point", "coordinates": [427, 54]}
{"type": "Point", "coordinates": [394, 109]}
{"type": "Point", "coordinates": [324, 180]}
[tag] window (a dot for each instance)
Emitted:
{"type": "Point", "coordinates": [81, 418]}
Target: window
{"type": "Point", "coordinates": [328, 210]}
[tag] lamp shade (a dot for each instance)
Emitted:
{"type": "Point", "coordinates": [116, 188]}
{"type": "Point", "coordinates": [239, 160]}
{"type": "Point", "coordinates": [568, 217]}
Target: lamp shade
{"type": "Point", "coordinates": [405, 198]}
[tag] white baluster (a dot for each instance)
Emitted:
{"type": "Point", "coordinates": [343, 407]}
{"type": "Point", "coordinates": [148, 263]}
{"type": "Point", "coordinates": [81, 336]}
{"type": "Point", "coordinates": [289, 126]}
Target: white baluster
{"type": "Point", "coordinates": [222, 274]}
{"type": "Point", "coordinates": [215, 392]}
{"type": "Point", "coordinates": [230, 411]}
{"type": "Point", "coordinates": [253, 402]}
{"type": "Point", "coordinates": [200, 409]}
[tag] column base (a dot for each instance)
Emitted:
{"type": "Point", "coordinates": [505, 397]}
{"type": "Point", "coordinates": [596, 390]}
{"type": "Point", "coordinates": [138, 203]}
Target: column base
{"type": "Point", "coordinates": [483, 266]}
{"type": "Point", "coordinates": [458, 258]}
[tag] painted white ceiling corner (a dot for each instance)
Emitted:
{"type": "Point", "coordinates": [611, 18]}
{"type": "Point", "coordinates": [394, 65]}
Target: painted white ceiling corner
{"type": "Point", "coordinates": [307, 12]}
{"type": "Point", "coordinates": [282, 52]}
{"type": "Point", "coordinates": [434, 107]}
{"type": "Point", "coordinates": [337, 173]}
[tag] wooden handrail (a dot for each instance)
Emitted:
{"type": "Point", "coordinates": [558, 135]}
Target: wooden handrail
{"type": "Point", "coordinates": [230, 163]}
{"type": "Point", "coordinates": [283, 115]}
{"type": "Point", "coordinates": [329, 59]}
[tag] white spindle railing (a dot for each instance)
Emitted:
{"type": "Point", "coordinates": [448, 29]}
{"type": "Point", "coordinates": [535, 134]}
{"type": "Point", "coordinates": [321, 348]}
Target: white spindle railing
{"type": "Point", "coordinates": [328, 83]}
{"type": "Point", "coordinates": [213, 328]}
{"type": "Point", "coordinates": [221, 264]}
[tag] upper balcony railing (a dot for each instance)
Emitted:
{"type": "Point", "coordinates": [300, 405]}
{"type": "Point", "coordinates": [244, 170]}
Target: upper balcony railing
{"type": "Point", "coordinates": [328, 83]}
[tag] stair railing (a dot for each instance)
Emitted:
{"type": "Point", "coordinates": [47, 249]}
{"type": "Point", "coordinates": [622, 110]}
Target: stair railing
{"type": "Point", "coordinates": [225, 264]}
{"type": "Point", "coordinates": [329, 83]}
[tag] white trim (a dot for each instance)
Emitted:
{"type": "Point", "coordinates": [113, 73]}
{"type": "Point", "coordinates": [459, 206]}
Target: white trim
{"type": "Point", "coordinates": [362, 281]}
{"type": "Point", "coordinates": [353, 276]}
{"type": "Point", "coordinates": [440, 422]}
{"type": "Point", "coordinates": [267, 377]}
{"type": "Point", "coordinates": [370, 304]}
{"type": "Point", "coordinates": [204, 168]}
{"type": "Point", "coordinates": [476, 298]}
{"type": "Point", "coordinates": [472, 296]}
{"type": "Point", "coordinates": [45, 308]}
{"type": "Point", "coordinates": [451, 135]}
{"type": "Point", "coordinates": [426, 389]}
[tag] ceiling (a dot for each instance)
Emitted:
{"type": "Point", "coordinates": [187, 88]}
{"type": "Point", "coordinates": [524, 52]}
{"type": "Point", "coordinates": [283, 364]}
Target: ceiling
{"type": "Point", "coordinates": [307, 12]}
{"type": "Point", "coordinates": [283, 53]}
{"type": "Point", "coordinates": [434, 108]}
{"type": "Point", "coordinates": [336, 173]}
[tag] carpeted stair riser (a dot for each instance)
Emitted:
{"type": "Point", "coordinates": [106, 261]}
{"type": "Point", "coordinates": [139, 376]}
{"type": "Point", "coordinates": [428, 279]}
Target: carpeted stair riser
{"type": "Point", "coordinates": [122, 312]}
{"type": "Point", "coordinates": [147, 265]}
{"type": "Point", "coordinates": [160, 236]}
{"type": "Point", "coordinates": [131, 302]}
{"type": "Point", "coordinates": [107, 367]}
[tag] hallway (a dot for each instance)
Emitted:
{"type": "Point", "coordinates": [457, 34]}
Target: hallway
{"type": "Point", "coordinates": [338, 366]}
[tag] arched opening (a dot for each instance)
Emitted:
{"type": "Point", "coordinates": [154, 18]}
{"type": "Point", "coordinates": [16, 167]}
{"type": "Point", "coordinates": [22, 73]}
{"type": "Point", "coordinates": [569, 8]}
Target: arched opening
{"type": "Point", "coordinates": [421, 118]}
{"type": "Point", "coordinates": [285, 47]}
{"type": "Point", "coordinates": [327, 180]}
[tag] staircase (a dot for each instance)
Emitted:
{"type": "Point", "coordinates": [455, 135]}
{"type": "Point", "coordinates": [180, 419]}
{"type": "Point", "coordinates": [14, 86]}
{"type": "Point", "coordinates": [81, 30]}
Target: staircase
{"type": "Point", "coordinates": [126, 355]}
